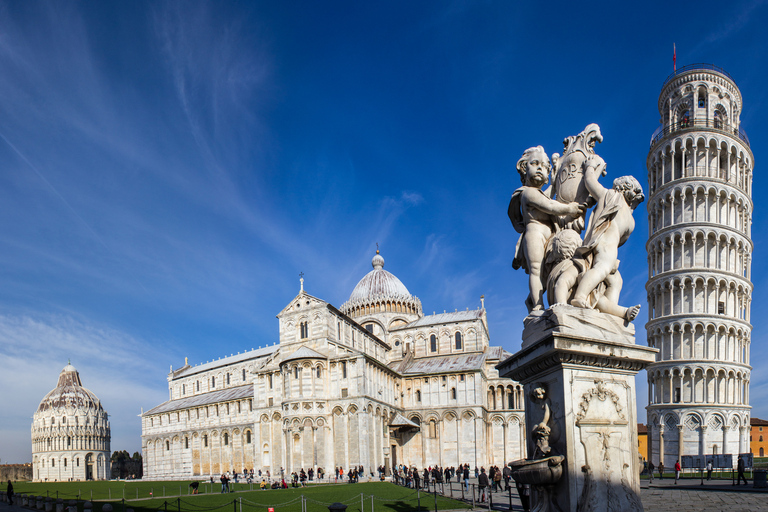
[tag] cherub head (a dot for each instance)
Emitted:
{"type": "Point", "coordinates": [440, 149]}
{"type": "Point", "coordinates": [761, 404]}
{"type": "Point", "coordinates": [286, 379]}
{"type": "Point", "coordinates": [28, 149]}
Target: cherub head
{"type": "Point", "coordinates": [534, 167]}
{"type": "Point", "coordinates": [630, 189]}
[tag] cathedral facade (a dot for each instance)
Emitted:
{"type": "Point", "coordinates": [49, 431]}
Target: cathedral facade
{"type": "Point", "coordinates": [70, 433]}
{"type": "Point", "coordinates": [374, 382]}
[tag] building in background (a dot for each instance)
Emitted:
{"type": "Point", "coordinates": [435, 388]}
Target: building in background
{"type": "Point", "coordinates": [372, 383]}
{"type": "Point", "coordinates": [70, 433]}
{"type": "Point", "coordinates": [758, 437]}
{"type": "Point", "coordinates": [642, 441]}
{"type": "Point", "coordinates": [699, 255]}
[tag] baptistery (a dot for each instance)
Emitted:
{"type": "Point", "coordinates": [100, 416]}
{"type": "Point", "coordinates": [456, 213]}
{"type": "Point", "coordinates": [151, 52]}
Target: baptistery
{"type": "Point", "coordinates": [70, 433]}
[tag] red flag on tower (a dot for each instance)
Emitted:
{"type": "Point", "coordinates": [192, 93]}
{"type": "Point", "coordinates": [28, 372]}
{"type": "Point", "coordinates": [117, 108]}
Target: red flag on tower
{"type": "Point", "coordinates": [674, 57]}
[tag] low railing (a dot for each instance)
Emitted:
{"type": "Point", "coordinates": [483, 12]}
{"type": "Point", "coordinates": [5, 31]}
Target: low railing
{"type": "Point", "coordinates": [693, 67]}
{"type": "Point", "coordinates": [710, 124]}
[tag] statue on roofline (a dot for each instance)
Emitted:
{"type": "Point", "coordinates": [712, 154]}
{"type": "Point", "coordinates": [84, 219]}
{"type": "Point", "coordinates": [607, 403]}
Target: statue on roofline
{"type": "Point", "coordinates": [584, 273]}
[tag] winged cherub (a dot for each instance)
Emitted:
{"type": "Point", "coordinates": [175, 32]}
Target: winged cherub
{"type": "Point", "coordinates": [531, 211]}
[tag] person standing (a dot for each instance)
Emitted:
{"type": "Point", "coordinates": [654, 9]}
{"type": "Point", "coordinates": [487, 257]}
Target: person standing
{"type": "Point", "coordinates": [709, 469]}
{"type": "Point", "coordinates": [677, 470]}
{"type": "Point", "coordinates": [740, 467]}
{"type": "Point", "coordinates": [9, 492]}
{"type": "Point", "coordinates": [661, 470]}
{"type": "Point", "coordinates": [651, 467]}
{"type": "Point", "coordinates": [465, 474]}
{"type": "Point", "coordinates": [507, 476]}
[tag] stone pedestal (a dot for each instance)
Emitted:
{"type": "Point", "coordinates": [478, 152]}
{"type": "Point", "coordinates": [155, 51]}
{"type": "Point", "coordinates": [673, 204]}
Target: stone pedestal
{"type": "Point", "coordinates": [583, 388]}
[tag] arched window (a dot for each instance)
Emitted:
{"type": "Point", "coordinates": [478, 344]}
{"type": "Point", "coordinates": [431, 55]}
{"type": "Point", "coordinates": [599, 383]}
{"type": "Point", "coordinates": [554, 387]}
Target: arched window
{"type": "Point", "coordinates": [269, 380]}
{"type": "Point", "coordinates": [319, 372]}
{"type": "Point", "coordinates": [205, 441]}
{"type": "Point", "coordinates": [186, 442]}
{"type": "Point", "coordinates": [685, 119]}
{"type": "Point", "coordinates": [762, 452]}
{"type": "Point", "coordinates": [227, 379]}
{"type": "Point", "coordinates": [761, 439]}
{"type": "Point", "coordinates": [65, 462]}
{"type": "Point", "coordinates": [167, 446]}
{"type": "Point", "coordinates": [295, 372]}
{"type": "Point", "coordinates": [458, 340]}
{"type": "Point", "coordinates": [343, 369]}
{"type": "Point", "coordinates": [418, 395]}
{"type": "Point", "coordinates": [432, 428]}
{"type": "Point", "coordinates": [304, 330]}
{"type": "Point", "coordinates": [198, 385]}
{"type": "Point", "coordinates": [718, 120]}
{"type": "Point", "coordinates": [511, 399]}
{"type": "Point", "coordinates": [247, 437]}
{"type": "Point", "coordinates": [226, 439]}
{"type": "Point", "coordinates": [433, 343]}
{"type": "Point", "coordinates": [453, 393]}
{"type": "Point", "coordinates": [213, 382]}
{"type": "Point", "coordinates": [243, 374]}
{"type": "Point", "coordinates": [183, 389]}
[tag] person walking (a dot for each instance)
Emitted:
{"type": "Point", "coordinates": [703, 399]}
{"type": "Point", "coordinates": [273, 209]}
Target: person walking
{"type": "Point", "coordinates": [740, 468]}
{"type": "Point", "coordinates": [651, 467]}
{"type": "Point", "coordinates": [677, 470]}
{"type": "Point", "coordinates": [9, 492]}
{"type": "Point", "coordinates": [482, 482]}
{"type": "Point", "coordinates": [507, 476]}
{"type": "Point", "coordinates": [709, 469]}
{"type": "Point", "coordinates": [465, 475]}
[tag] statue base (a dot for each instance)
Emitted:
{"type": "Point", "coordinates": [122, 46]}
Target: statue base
{"type": "Point", "coordinates": [587, 375]}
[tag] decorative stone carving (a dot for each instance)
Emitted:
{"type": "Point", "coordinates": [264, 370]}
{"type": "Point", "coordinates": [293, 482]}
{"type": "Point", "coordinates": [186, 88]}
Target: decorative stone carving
{"type": "Point", "coordinates": [582, 273]}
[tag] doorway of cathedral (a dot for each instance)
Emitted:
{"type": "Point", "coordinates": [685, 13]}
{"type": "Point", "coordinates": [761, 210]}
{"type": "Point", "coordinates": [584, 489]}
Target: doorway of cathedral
{"type": "Point", "coordinates": [394, 455]}
{"type": "Point", "coordinates": [89, 466]}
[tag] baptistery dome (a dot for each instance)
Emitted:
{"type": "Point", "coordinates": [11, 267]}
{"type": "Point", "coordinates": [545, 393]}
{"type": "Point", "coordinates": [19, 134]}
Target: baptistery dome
{"type": "Point", "coordinates": [380, 301]}
{"type": "Point", "coordinates": [70, 433]}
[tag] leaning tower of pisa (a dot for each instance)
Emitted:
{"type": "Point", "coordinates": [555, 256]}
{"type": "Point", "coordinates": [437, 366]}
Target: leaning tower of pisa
{"type": "Point", "coordinates": [699, 254]}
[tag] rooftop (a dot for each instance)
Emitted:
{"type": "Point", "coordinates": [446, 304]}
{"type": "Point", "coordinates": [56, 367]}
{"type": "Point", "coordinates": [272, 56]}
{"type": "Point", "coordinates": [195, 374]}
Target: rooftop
{"type": "Point", "coordinates": [223, 395]}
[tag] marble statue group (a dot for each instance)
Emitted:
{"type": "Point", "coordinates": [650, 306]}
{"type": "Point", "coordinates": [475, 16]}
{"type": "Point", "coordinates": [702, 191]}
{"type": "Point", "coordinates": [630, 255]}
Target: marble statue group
{"type": "Point", "coordinates": [570, 270]}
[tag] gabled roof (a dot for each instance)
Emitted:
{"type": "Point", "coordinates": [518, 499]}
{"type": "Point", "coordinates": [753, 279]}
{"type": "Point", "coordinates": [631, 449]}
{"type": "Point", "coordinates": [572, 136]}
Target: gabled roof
{"type": "Point", "coordinates": [302, 295]}
{"type": "Point", "coordinates": [401, 421]}
{"type": "Point", "coordinates": [757, 422]}
{"type": "Point", "coordinates": [443, 318]}
{"type": "Point", "coordinates": [226, 361]}
{"type": "Point", "coordinates": [305, 353]}
{"type": "Point", "coordinates": [442, 364]}
{"type": "Point", "coordinates": [223, 395]}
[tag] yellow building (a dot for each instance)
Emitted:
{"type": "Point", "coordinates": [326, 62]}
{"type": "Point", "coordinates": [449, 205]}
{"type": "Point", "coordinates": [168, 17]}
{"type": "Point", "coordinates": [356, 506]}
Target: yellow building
{"type": "Point", "coordinates": [642, 441]}
{"type": "Point", "coordinates": [758, 437]}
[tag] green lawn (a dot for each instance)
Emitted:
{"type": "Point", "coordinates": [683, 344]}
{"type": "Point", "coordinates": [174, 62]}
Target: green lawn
{"type": "Point", "coordinates": [387, 497]}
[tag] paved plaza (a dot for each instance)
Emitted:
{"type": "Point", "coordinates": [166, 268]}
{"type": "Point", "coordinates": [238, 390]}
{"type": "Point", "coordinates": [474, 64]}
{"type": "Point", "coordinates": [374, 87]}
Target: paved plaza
{"type": "Point", "coordinates": [687, 496]}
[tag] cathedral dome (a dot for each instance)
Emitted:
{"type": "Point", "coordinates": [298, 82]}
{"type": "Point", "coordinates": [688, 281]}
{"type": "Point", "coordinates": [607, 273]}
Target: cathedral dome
{"type": "Point", "coordinates": [69, 392]}
{"type": "Point", "coordinates": [380, 291]}
{"type": "Point", "coordinates": [378, 283]}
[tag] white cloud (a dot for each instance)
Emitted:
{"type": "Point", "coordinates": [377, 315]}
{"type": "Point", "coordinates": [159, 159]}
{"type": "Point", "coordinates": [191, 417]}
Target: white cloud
{"type": "Point", "coordinates": [125, 373]}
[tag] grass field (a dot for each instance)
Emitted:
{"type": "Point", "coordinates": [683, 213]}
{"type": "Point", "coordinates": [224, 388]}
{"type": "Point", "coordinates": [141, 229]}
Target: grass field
{"type": "Point", "coordinates": [376, 497]}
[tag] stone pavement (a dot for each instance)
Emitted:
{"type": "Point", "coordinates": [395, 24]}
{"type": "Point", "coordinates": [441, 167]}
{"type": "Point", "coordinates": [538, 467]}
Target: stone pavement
{"type": "Point", "coordinates": [661, 496]}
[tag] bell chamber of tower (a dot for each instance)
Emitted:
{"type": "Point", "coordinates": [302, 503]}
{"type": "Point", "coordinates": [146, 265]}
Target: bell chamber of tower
{"type": "Point", "coordinates": [699, 257]}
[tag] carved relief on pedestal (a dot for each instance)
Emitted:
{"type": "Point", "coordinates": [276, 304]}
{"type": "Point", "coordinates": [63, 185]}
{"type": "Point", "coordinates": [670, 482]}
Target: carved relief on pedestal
{"type": "Point", "coordinates": [606, 440]}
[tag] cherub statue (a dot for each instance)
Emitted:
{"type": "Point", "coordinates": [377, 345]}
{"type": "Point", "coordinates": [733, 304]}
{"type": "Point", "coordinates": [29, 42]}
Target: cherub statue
{"type": "Point", "coordinates": [531, 210]}
{"type": "Point", "coordinates": [566, 271]}
{"type": "Point", "coordinates": [609, 227]}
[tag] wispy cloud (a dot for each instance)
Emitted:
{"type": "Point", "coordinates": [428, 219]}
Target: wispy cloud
{"type": "Point", "coordinates": [125, 373]}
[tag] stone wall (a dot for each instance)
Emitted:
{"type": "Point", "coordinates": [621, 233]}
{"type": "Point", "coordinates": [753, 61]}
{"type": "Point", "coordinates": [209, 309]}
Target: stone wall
{"type": "Point", "coordinates": [15, 472]}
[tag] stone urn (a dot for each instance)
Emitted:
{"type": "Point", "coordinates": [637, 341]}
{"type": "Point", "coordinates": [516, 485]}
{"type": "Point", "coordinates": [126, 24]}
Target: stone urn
{"type": "Point", "coordinates": [542, 475]}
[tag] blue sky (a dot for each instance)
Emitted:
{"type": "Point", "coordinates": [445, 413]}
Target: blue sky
{"type": "Point", "coordinates": [168, 169]}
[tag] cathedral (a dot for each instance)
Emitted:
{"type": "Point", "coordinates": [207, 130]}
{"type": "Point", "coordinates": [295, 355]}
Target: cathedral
{"type": "Point", "coordinates": [372, 383]}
